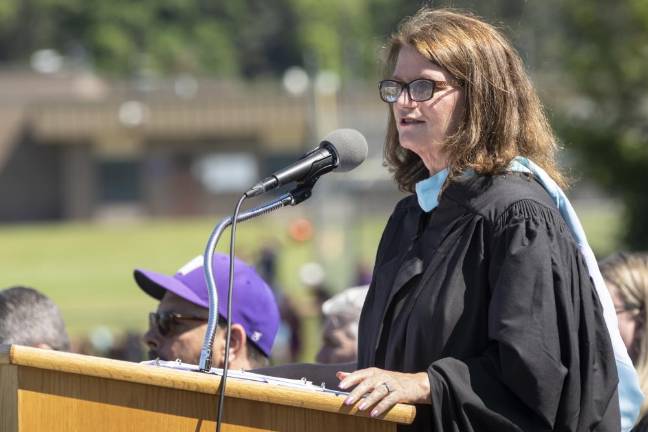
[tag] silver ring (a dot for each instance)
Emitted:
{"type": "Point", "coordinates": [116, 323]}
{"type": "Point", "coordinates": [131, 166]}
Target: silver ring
{"type": "Point", "coordinates": [387, 387]}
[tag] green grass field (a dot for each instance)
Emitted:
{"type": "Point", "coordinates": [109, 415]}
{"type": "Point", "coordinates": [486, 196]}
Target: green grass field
{"type": "Point", "coordinates": [87, 268]}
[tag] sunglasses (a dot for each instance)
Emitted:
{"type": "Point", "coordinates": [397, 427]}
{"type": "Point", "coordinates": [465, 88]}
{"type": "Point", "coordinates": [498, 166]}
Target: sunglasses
{"type": "Point", "coordinates": [165, 322]}
{"type": "Point", "coordinates": [418, 90]}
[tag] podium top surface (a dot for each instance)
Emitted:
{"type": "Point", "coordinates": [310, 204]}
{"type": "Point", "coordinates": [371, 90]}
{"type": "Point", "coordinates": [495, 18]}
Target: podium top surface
{"type": "Point", "coordinates": [187, 380]}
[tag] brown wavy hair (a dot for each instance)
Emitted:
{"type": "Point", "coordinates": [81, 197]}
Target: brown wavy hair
{"type": "Point", "coordinates": [503, 115]}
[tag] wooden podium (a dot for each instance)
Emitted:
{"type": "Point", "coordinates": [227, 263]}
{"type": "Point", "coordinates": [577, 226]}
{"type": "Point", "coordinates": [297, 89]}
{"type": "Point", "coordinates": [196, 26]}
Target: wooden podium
{"type": "Point", "coordinates": [54, 391]}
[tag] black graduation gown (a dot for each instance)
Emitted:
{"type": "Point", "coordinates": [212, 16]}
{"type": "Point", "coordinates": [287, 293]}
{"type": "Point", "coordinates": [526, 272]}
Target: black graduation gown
{"type": "Point", "coordinates": [489, 294]}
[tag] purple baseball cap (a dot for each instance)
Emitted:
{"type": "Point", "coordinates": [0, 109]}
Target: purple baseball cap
{"type": "Point", "coordinates": [253, 305]}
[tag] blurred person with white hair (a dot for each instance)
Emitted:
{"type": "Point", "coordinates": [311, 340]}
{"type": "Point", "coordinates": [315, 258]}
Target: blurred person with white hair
{"type": "Point", "coordinates": [341, 318]}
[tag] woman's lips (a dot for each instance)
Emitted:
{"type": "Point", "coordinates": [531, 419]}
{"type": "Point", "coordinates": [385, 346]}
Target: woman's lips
{"type": "Point", "coordinates": [409, 122]}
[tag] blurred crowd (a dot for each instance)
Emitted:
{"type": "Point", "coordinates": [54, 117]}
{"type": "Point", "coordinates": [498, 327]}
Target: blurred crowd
{"type": "Point", "coordinates": [335, 313]}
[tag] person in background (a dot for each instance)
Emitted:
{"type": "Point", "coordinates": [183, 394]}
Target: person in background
{"type": "Point", "coordinates": [290, 332]}
{"type": "Point", "coordinates": [313, 278]}
{"type": "Point", "coordinates": [292, 320]}
{"type": "Point", "coordinates": [267, 264]}
{"type": "Point", "coordinates": [177, 329]}
{"type": "Point", "coordinates": [626, 276]}
{"type": "Point", "coordinates": [30, 318]}
{"type": "Point", "coordinates": [341, 316]}
{"type": "Point", "coordinates": [362, 274]}
{"type": "Point", "coordinates": [127, 347]}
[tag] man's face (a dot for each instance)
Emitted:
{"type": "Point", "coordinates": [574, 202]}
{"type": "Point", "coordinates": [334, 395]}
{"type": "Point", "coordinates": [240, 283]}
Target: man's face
{"type": "Point", "coordinates": [184, 338]}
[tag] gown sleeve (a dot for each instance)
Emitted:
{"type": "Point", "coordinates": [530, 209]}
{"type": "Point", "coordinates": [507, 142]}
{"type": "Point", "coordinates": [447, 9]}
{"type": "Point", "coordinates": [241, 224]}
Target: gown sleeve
{"type": "Point", "coordinates": [548, 364]}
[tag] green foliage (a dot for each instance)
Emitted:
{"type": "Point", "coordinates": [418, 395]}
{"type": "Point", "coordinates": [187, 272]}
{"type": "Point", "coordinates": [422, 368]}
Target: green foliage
{"type": "Point", "coordinates": [606, 53]}
{"type": "Point", "coordinates": [221, 38]}
{"type": "Point", "coordinates": [214, 49]}
{"type": "Point", "coordinates": [254, 38]}
{"type": "Point", "coordinates": [8, 11]}
{"type": "Point", "coordinates": [334, 35]}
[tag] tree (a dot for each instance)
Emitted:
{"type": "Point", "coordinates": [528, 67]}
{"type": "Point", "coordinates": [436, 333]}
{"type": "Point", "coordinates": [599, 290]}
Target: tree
{"type": "Point", "coordinates": [606, 54]}
{"type": "Point", "coordinates": [122, 37]}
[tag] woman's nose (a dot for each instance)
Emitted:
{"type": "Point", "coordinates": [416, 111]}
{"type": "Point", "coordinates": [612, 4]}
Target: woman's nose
{"type": "Point", "coordinates": [404, 98]}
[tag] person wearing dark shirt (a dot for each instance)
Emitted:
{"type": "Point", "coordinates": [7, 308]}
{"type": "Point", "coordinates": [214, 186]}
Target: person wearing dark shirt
{"type": "Point", "coordinates": [482, 308]}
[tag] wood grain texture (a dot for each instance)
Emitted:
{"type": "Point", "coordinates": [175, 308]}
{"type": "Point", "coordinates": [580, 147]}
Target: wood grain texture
{"type": "Point", "coordinates": [103, 405]}
{"type": "Point", "coordinates": [188, 382]}
{"type": "Point", "coordinates": [8, 398]}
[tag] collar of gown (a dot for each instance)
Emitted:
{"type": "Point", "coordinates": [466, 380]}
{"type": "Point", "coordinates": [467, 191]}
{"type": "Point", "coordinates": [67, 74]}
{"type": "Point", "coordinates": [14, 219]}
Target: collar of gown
{"type": "Point", "coordinates": [427, 191]}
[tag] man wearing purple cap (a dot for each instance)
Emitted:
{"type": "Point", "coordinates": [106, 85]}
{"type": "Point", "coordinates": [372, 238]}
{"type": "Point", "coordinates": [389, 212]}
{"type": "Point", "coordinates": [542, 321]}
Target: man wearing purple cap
{"type": "Point", "coordinates": [177, 329]}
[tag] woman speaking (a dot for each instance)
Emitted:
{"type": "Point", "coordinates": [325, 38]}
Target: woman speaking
{"type": "Point", "coordinates": [481, 310]}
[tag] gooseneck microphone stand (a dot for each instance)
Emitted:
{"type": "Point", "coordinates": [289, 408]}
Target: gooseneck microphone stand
{"type": "Point", "coordinates": [301, 193]}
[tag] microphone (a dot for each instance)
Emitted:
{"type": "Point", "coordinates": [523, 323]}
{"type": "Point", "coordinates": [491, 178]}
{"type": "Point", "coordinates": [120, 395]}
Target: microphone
{"type": "Point", "coordinates": [341, 150]}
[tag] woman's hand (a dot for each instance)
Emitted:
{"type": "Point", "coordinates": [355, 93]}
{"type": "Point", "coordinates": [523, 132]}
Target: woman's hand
{"type": "Point", "coordinates": [384, 389]}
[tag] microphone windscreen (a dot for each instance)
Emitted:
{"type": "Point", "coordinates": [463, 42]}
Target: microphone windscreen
{"type": "Point", "coordinates": [350, 146]}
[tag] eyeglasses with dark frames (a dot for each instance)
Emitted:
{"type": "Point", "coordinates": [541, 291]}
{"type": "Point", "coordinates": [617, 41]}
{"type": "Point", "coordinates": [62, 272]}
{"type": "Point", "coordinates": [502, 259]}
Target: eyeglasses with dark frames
{"type": "Point", "coordinates": [165, 322]}
{"type": "Point", "coordinates": [418, 90]}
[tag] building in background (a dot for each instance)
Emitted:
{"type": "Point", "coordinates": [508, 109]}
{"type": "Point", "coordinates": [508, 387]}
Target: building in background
{"type": "Point", "coordinates": [75, 147]}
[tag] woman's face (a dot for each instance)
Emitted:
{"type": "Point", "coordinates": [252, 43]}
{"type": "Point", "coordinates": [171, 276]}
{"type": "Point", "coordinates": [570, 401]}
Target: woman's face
{"type": "Point", "coordinates": [629, 325]}
{"type": "Point", "coordinates": [423, 126]}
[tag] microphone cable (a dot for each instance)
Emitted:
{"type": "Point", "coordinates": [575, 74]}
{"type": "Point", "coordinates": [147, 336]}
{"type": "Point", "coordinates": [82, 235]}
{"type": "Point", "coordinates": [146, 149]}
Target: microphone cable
{"type": "Point", "coordinates": [221, 398]}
